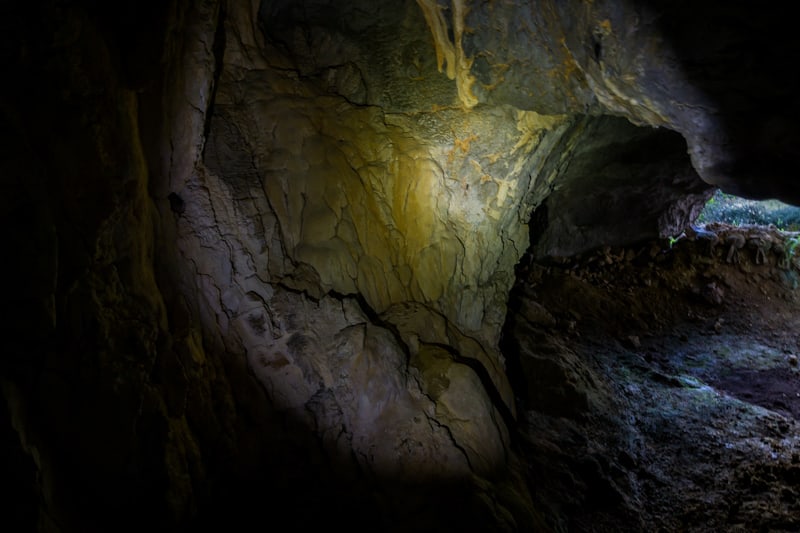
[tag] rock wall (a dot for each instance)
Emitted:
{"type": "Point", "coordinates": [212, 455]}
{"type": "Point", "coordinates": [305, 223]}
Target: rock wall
{"type": "Point", "coordinates": [344, 175]}
{"type": "Point", "coordinates": [87, 324]}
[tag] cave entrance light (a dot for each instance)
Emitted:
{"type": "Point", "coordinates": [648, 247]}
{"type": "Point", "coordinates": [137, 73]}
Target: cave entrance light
{"type": "Point", "coordinates": [737, 211]}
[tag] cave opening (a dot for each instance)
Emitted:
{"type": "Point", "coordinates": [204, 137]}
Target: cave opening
{"type": "Point", "coordinates": [738, 211]}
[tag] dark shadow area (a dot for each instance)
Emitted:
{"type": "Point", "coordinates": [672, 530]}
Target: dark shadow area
{"type": "Point", "coordinates": [736, 53]}
{"type": "Point", "coordinates": [315, 501]}
{"type": "Point", "coordinates": [775, 389]}
{"type": "Point", "coordinates": [18, 482]}
{"type": "Point", "coordinates": [618, 173]}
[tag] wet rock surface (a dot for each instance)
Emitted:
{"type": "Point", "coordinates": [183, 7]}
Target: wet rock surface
{"type": "Point", "coordinates": [676, 407]}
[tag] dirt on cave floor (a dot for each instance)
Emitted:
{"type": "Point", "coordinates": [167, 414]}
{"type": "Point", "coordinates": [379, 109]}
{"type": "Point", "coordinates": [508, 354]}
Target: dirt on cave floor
{"type": "Point", "coordinates": [661, 384]}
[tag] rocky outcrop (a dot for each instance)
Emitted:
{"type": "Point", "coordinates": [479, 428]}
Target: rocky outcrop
{"type": "Point", "coordinates": [258, 231]}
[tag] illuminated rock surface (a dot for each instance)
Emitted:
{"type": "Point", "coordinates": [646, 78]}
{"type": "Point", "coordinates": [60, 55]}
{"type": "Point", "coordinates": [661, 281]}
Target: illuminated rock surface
{"type": "Point", "coordinates": [263, 252]}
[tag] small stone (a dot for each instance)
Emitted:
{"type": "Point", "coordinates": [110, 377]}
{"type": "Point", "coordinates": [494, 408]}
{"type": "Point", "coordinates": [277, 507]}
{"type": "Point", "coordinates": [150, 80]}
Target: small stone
{"type": "Point", "coordinates": [633, 341]}
{"type": "Point", "coordinates": [712, 293]}
{"type": "Point", "coordinates": [536, 314]}
{"type": "Point", "coordinates": [793, 360]}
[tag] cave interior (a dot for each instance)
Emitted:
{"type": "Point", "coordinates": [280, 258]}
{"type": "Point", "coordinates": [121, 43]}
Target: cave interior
{"type": "Point", "coordinates": [398, 266]}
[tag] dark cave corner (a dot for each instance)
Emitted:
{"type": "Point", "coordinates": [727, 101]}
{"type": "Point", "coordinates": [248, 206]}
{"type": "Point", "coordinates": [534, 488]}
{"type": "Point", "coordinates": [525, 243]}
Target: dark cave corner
{"type": "Point", "coordinates": [19, 480]}
{"type": "Point", "coordinates": [509, 345]}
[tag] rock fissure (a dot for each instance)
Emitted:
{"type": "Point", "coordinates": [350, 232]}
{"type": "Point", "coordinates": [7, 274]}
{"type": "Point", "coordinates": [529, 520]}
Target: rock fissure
{"type": "Point", "coordinates": [483, 375]}
{"type": "Point", "coordinates": [375, 319]}
{"type": "Point", "coordinates": [217, 51]}
{"type": "Point", "coordinates": [437, 423]}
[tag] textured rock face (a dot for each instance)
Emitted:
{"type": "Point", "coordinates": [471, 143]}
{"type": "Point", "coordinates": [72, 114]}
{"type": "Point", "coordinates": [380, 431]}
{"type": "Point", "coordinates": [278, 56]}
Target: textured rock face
{"type": "Point", "coordinates": [279, 229]}
{"type": "Point", "coordinates": [346, 176]}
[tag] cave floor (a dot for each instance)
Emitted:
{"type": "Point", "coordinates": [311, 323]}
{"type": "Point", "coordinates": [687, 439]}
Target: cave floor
{"type": "Point", "coordinates": [678, 398]}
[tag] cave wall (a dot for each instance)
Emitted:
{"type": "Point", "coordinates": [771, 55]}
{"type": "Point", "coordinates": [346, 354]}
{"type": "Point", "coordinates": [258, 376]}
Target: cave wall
{"type": "Point", "coordinates": [86, 320]}
{"type": "Point", "coordinates": [274, 241]}
{"type": "Point", "coordinates": [349, 171]}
